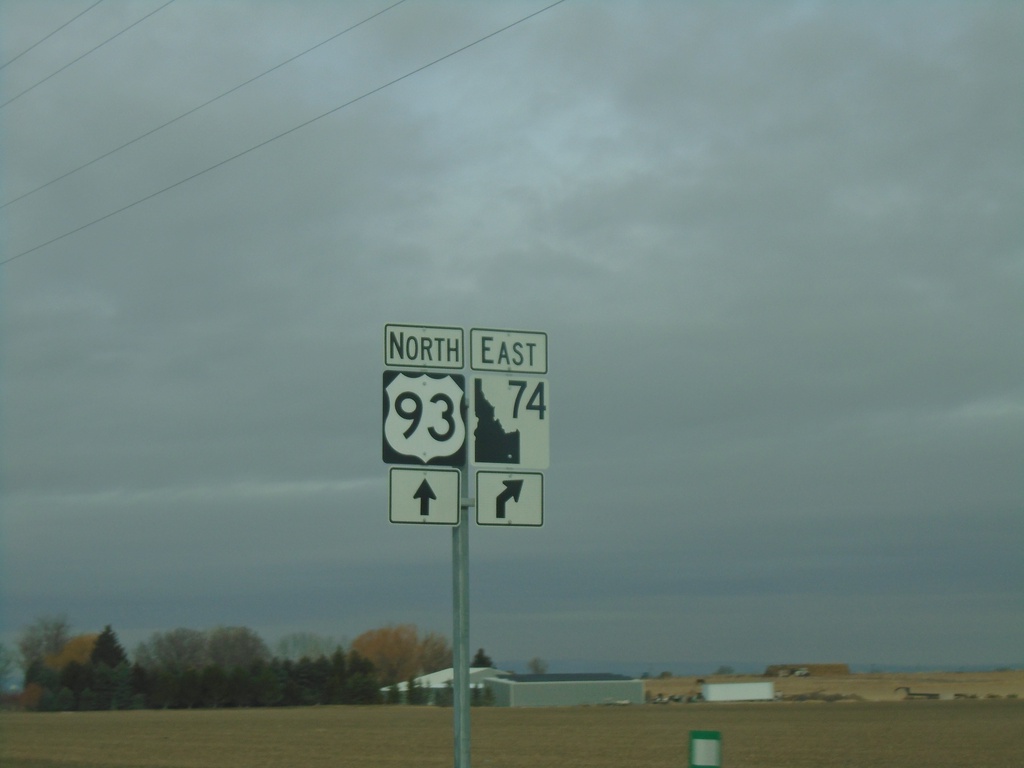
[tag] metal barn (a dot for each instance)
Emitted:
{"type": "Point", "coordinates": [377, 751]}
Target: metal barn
{"type": "Point", "coordinates": [565, 690]}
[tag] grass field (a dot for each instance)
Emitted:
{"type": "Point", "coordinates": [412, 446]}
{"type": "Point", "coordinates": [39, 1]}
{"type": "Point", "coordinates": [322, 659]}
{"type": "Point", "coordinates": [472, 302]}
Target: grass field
{"type": "Point", "coordinates": [937, 734]}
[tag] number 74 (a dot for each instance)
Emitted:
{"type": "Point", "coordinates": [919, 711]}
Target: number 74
{"type": "Point", "coordinates": [535, 402]}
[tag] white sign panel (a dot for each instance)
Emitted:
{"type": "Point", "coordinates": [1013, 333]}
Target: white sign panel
{"type": "Point", "coordinates": [509, 422]}
{"type": "Point", "coordinates": [508, 351]}
{"type": "Point", "coordinates": [424, 496]}
{"type": "Point", "coordinates": [510, 498]}
{"type": "Point", "coordinates": [423, 346]}
{"type": "Point", "coordinates": [424, 418]}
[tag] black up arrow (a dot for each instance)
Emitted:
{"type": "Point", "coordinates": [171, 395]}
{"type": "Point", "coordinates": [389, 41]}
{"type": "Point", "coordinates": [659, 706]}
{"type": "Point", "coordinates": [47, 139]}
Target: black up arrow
{"type": "Point", "coordinates": [424, 493]}
{"type": "Point", "coordinates": [512, 490]}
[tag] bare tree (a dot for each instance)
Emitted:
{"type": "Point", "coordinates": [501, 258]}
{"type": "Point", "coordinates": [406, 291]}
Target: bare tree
{"type": "Point", "coordinates": [537, 666]}
{"type": "Point", "coordinates": [305, 644]}
{"type": "Point", "coordinates": [46, 636]}
{"type": "Point", "coordinates": [6, 662]}
{"type": "Point", "coordinates": [231, 647]}
{"type": "Point", "coordinates": [177, 649]}
{"type": "Point", "coordinates": [435, 652]}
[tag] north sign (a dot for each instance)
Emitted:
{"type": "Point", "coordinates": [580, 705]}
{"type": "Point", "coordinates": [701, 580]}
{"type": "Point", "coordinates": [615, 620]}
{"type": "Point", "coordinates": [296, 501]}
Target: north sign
{"type": "Point", "coordinates": [424, 418]}
{"type": "Point", "coordinates": [424, 496]}
{"type": "Point", "coordinates": [423, 346]}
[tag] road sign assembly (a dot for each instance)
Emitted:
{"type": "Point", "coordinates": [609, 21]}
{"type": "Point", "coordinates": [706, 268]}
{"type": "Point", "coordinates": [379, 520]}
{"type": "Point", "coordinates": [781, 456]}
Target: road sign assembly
{"type": "Point", "coordinates": [429, 422]}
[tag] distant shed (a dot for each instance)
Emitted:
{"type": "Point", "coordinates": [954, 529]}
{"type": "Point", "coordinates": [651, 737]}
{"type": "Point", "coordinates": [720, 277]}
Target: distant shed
{"type": "Point", "coordinates": [565, 690]}
{"type": "Point", "coordinates": [738, 691]}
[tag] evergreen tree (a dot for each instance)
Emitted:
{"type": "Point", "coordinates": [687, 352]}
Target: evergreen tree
{"type": "Point", "coordinates": [64, 701]}
{"type": "Point", "coordinates": [337, 682]}
{"type": "Point", "coordinates": [363, 686]}
{"type": "Point", "coordinates": [445, 697]}
{"type": "Point", "coordinates": [415, 694]}
{"type": "Point", "coordinates": [214, 681]}
{"type": "Point", "coordinates": [87, 701]}
{"type": "Point", "coordinates": [102, 686]}
{"type": "Point", "coordinates": [37, 672]}
{"type": "Point", "coordinates": [313, 678]}
{"type": "Point", "coordinates": [77, 678]}
{"type": "Point", "coordinates": [240, 688]}
{"type": "Point", "coordinates": [189, 690]}
{"type": "Point", "coordinates": [291, 692]}
{"type": "Point", "coordinates": [481, 660]}
{"type": "Point", "coordinates": [162, 689]}
{"type": "Point", "coordinates": [140, 682]}
{"type": "Point", "coordinates": [108, 650]}
{"type": "Point", "coordinates": [394, 695]}
{"type": "Point", "coordinates": [321, 678]}
{"type": "Point", "coordinates": [267, 689]}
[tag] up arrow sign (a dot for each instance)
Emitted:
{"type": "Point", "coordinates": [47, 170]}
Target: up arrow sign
{"type": "Point", "coordinates": [425, 494]}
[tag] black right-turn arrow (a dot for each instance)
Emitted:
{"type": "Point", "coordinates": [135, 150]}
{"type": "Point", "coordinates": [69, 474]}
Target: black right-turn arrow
{"type": "Point", "coordinates": [512, 490]}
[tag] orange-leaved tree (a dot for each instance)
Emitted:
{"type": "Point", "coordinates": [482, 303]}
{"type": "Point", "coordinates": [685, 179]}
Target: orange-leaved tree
{"type": "Point", "coordinates": [399, 653]}
{"type": "Point", "coordinates": [78, 649]}
{"type": "Point", "coordinates": [394, 651]}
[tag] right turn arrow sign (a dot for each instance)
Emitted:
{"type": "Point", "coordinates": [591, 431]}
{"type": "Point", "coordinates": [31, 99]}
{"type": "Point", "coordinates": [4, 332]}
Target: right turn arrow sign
{"type": "Point", "coordinates": [512, 490]}
{"type": "Point", "coordinates": [510, 498]}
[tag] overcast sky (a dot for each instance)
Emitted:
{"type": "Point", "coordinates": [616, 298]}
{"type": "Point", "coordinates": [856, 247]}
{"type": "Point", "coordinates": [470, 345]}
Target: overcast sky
{"type": "Point", "coordinates": [777, 248]}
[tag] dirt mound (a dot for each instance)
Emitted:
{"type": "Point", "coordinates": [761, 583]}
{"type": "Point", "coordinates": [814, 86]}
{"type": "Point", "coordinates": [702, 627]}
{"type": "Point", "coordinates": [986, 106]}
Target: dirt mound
{"type": "Point", "coordinates": [807, 670]}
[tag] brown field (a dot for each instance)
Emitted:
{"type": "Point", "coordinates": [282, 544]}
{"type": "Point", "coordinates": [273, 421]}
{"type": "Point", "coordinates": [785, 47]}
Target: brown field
{"type": "Point", "coordinates": [937, 734]}
{"type": "Point", "coordinates": [868, 687]}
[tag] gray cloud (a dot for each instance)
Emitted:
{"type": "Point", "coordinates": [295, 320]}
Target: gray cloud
{"type": "Point", "coordinates": [777, 251]}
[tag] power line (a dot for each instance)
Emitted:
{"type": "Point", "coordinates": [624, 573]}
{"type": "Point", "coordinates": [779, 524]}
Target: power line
{"type": "Point", "coordinates": [75, 61]}
{"type": "Point", "coordinates": [300, 126]}
{"type": "Point", "coordinates": [58, 29]}
{"type": "Point", "coordinates": [196, 109]}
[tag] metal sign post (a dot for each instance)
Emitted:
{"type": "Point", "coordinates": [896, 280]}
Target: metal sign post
{"type": "Point", "coordinates": [427, 432]}
{"type": "Point", "coordinates": [460, 626]}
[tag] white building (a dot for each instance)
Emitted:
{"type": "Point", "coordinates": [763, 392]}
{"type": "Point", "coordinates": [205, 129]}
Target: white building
{"type": "Point", "coordinates": [436, 684]}
{"type": "Point", "coordinates": [505, 689]}
{"type": "Point", "coordinates": [569, 690]}
{"type": "Point", "coordinates": [738, 691]}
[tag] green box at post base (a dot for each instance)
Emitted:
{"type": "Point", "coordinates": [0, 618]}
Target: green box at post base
{"type": "Point", "coordinates": [705, 749]}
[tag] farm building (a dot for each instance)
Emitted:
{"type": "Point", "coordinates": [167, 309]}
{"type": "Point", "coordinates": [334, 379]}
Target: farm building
{"type": "Point", "coordinates": [565, 690]}
{"type": "Point", "coordinates": [738, 691]}
{"type": "Point", "coordinates": [437, 683]}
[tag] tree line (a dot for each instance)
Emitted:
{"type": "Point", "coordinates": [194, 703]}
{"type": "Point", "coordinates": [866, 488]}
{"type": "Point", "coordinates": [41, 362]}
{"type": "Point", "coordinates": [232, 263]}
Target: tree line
{"type": "Point", "coordinates": [221, 667]}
